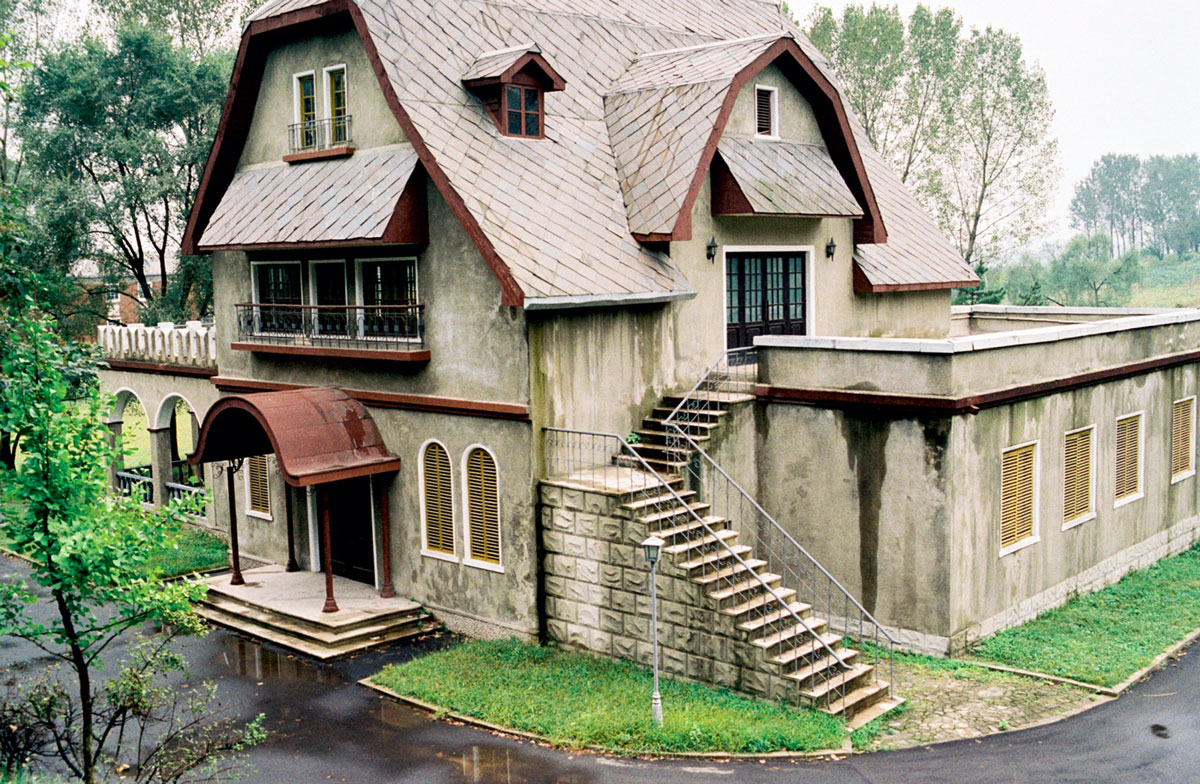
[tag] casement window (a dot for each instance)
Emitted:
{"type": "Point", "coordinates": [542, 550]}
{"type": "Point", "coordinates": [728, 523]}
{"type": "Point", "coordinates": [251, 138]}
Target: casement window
{"type": "Point", "coordinates": [306, 109]}
{"type": "Point", "coordinates": [437, 504]}
{"type": "Point", "coordinates": [258, 486]}
{"type": "Point", "coordinates": [387, 282]}
{"type": "Point", "coordinates": [1128, 459]}
{"type": "Point", "coordinates": [1183, 438]}
{"type": "Point", "coordinates": [765, 112]}
{"type": "Point", "coordinates": [1078, 477]}
{"type": "Point", "coordinates": [1018, 497]}
{"type": "Point", "coordinates": [277, 288]}
{"type": "Point", "coordinates": [522, 111]}
{"type": "Point", "coordinates": [336, 105]}
{"type": "Point", "coordinates": [483, 508]}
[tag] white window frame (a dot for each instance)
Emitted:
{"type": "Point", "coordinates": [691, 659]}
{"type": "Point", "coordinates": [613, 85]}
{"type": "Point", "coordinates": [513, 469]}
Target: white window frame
{"type": "Point", "coordinates": [327, 104]}
{"type": "Point", "coordinates": [296, 77]}
{"type": "Point", "coordinates": [1191, 446]}
{"type": "Point", "coordinates": [1141, 453]}
{"type": "Point", "coordinates": [256, 263]}
{"type": "Point", "coordinates": [466, 515]}
{"type": "Point", "coordinates": [774, 91]}
{"type": "Point", "coordinates": [809, 299]}
{"type": "Point", "coordinates": [1091, 513]}
{"type": "Point", "coordinates": [451, 557]}
{"type": "Point", "coordinates": [1035, 536]}
{"type": "Point", "coordinates": [246, 488]}
{"type": "Point", "coordinates": [311, 299]}
{"type": "Point", "coordinates": [361, 302]}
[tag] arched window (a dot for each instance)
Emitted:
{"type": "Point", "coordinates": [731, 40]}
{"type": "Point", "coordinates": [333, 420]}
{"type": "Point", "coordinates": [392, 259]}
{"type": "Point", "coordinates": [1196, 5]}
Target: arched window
{"type": "Point", "coordinates": [483, 508]}
{"type": "Point", "coordinates": [437, 499]}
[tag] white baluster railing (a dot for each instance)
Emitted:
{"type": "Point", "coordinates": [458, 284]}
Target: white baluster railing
{"type": "Point", "coordinates": [190, 345]}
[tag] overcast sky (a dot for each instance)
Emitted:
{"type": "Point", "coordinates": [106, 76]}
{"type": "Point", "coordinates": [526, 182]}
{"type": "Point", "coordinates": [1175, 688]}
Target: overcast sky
{"type": "Point", "coordinates": [1124, 75]}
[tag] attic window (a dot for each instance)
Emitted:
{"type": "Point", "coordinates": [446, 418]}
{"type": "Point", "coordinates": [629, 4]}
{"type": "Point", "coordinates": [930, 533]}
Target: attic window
{"type": "Point", "coordinates": [764, 112]}
{"type": "Point", "coordinates": [511, 84]}
{"type": "Point", "coordinates": [523, 111]}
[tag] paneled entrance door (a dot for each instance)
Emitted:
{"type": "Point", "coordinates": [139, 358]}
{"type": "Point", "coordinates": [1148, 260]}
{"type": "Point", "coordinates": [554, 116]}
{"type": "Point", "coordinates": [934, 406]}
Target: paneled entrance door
{"type": "Point", "coordinates": [765, 294]}
{"type": "Point", "coordinates": [351, 530]}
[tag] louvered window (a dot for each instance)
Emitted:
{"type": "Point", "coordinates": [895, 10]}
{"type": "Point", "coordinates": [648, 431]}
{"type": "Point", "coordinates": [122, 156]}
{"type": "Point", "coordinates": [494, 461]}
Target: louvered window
{"type": "Point", "coordinates": [1077, 475]}
{"type": "Point", "coordinates": [1017, 502]}
{"type": "Point", "coordinates": [483, 508]}
{"type": "Point", "coordinates": [1128, 457]}
{"type": "Point", "coordinates": [438, 498]}
{"type": "Point", "coordinates": [1183, 414]}
{"type": "Point", "coordinates": [258, 485]}
{"type": "Point", "coordinates": [764, 111]}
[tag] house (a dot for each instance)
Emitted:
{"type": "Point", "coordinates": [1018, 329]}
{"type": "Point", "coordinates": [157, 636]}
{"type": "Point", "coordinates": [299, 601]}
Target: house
{"type": "Point", "coordinates": [503, 288]}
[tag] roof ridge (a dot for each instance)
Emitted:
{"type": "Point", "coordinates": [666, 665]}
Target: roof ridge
{"type": "Point", "coordinates": [526, 47]}
{"type": "Point", "coordinates": [719, 42]}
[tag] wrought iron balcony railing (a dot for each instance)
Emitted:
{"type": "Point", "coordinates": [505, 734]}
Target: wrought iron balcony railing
{"type": "Point", "coordinates": [372, 327]}
{"type": "Point", "coordinates": [322, 134]}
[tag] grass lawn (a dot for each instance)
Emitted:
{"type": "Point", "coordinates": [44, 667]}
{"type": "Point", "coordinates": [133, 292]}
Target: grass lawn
{"type": "Point", "coordinates": [576, 700]}
{"type": "Point", "coordinates": [1106, 636]}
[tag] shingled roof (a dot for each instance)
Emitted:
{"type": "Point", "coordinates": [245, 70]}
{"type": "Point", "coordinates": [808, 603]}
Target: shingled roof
{"type": "Point", "coordinates": [556, 222]}
{"type": "Point", "coordinates": [788, 178]}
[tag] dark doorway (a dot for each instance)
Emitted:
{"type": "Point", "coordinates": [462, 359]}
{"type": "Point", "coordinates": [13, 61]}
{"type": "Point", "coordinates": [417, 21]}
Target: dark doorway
{"type": "Point", "coordinates": [329, 279]}
{"type": "Point", "coordinates": [351, 532]}
{"type": "Point", "coordinates": [765, 294]}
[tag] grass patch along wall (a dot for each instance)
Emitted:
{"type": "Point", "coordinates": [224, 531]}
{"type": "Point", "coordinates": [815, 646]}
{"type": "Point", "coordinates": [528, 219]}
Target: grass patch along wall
{"type": "Point", "coordinates": [576, 700]}
{"type": "Point", "coordinates": [1106, 636]}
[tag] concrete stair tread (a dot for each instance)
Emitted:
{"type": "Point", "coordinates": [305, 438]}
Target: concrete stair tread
{"type": "Point", "coordinates": [288, 625]}
{"type": "Point", "coordinates": [825, 663]}
{"type": "Point", "coordinates": [785, 594]}
{"type": "Point", "coordinates": [756, 623]}
{"type": "Point", "coordinates": [867, 714]}
{"type": "Point", "coordinates": [663, 413]}
{"type": "Point", "coordinates": [649, 433]}
{"type": "Point", "coordinates": [795, 630]}
{"type": "Point", "coordinates": [820, 645]}
{"type": "Point", "coordinates": [716, 556]}
{"type": "Point", "coordinates": [729, 571]}
{"type": "Point", "coordinates": [671, 466]}
{"type": "Point", "coordinates": [823, 688]}
{"type": "Point", "coordinates": [675, 511]}
{"type": "Point", "coordinates": [332, 623]}
{"type": "Point", "coordinates": [642, 503]}
{"type": "Point", "coordinates": [862, 697]}
{"type": "Point", "coordinates": [715, 397]}
{"type": "Point", "coordinates": [758, 582]}
{"type": "Point", "coordinates": [690, 525]}
{"type": "Point", "coordinates": [661, 421]}
{"type": "Point", "coordinates": [716, 537]}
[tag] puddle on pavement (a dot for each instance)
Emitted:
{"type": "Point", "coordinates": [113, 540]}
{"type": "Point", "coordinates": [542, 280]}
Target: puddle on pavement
{"type": "Point", "coordinates": [495, 765]}
{"type": "Point", "coordinates": [249, 658]}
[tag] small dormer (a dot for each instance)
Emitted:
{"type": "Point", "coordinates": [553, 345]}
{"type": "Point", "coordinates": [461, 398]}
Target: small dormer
{"type": "Point", "coordinates": [512, 84]}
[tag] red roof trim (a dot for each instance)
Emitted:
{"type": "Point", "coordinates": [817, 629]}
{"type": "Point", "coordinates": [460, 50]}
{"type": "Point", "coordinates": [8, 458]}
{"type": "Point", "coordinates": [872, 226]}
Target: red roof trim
{"type": "Point", "coordinates": [863, 285]}
{"type": "Point", "coordinates": [550, 76]}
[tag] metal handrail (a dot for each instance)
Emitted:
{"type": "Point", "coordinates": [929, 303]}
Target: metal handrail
{"type": "Point", "coordinates": [679, 438]}
{"type": "Point", "coordinates": [362, 326]}
{"type": "Point", "coordinates": [784, 607]}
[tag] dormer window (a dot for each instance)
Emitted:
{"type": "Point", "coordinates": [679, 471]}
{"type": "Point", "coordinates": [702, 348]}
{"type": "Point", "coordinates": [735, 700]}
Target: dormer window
{"type": "Point", "coordinates": [324, 133]}
{"type": "Point", "coordinates": [765, 112]}
{"type": "Point", "coordinates": [511, 83]}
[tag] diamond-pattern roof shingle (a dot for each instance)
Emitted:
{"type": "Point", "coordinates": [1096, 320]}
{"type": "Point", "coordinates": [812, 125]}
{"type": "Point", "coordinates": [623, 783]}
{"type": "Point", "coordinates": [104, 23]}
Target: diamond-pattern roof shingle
{"type": "Point", "coordinates": [787, 178]}
{"type": "Point", "coordinates": [492, 64]}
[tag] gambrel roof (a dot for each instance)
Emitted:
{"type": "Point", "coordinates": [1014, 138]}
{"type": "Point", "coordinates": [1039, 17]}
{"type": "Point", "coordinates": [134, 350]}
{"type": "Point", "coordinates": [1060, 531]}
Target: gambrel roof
{"type": "Point", "coordinates": [565, 220]}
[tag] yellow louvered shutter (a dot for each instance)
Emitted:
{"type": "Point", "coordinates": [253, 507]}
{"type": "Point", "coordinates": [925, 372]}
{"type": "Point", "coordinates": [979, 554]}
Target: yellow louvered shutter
{"type": "Point", "coordinates": [1181, 436]}
{"type": "Point", "coordinates": [1077, 475]}
{"type": "Point", "coordinates": [483, 507]}
{"type": "Point", "coordinates": [257, 481]}
{"type": "Point", "coordinates": [1016, 495]}
{"type": "Point", "coordinates": [439, 504]}
{"type": "Point", "coordinates": [1127, 457]}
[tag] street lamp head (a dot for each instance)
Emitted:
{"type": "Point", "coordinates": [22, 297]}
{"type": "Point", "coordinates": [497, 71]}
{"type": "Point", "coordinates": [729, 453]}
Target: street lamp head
{"type": "Point", "coordinates": [653, 546]}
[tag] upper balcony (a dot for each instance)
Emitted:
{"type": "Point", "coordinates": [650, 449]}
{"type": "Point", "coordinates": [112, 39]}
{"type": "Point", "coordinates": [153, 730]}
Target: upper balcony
{"type": "Point", "coordinates": [320, 139]}
{"type": "Point", "coordinates": [394, 333]}
{"type": "Point", "coordinates": [192, 347]}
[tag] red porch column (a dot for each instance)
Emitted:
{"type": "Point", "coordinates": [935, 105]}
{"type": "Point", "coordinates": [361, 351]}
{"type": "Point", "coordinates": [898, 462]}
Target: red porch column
{"type": "Point", "coordinates": [386, 590]}
{"type": "Point", "coordinates": [323, 502]}
{"type": "Point", "coordinates": [233, 539]}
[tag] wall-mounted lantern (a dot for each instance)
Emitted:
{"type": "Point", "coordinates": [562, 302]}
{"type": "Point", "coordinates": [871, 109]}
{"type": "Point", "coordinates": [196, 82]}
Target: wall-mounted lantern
{"type": "Point", "coordinates": [830, 248]}
{"type": "Point", "coordinates": [711, 249]}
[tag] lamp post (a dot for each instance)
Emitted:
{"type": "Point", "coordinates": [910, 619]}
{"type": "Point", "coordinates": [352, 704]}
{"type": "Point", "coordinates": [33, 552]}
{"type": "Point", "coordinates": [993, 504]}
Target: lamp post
{"type": "Point", "coordinates": [653, 546]}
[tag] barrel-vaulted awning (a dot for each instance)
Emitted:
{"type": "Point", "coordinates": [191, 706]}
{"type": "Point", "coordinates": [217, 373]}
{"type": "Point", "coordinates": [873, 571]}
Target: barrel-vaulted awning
{"type": "Point", "coordinates": [318, 435]}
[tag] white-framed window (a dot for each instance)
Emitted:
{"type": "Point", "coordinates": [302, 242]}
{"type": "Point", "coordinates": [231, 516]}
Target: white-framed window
{"type": "Point", "coordinates": [304, 104]}
{"type": "Point", "coordinates": [1018, 497]}
{"type": "Point", "coordinates": [766, 111]}
{"type": "Point", "coordinates": [1079, 476]}
{"type": "Point", "coordinates": [1128, 459]}
{"type": "Point", "coordinates": [437, 501]}
{"type": "Point", "coordinates": [258, 487]}
{"type": "Point", "coordinates": [1183, 439]}
{"type": "Point", "coordinates": [112, 295]}
{"type": "Point", "coordinates": [481, 504]}
{"type": "Point", "coordinates": [337, 103]}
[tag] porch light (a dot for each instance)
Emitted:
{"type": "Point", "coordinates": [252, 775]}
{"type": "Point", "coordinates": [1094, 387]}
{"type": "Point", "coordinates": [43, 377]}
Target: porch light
{"type": "Point", "coordinates": [711, 249]}
{"type": "Point", "coordinates": [830, 248]}
{"type": "Point", "coordinates": [653, 546]}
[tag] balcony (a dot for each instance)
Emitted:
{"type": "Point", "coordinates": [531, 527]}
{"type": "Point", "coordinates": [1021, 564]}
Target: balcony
{"type": "Point", "coordinates": [320, 139]}
{"type": "Point", "coordinates": [190, 349]}
{"type": "Point", "coordinates": [394, 333]}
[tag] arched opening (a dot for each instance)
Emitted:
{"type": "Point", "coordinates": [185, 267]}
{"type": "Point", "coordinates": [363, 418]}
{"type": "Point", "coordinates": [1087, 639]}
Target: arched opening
{"type": "Point", "coordinates": [130, 426]}
{"type": "Point", "coordinates": [177, 418]}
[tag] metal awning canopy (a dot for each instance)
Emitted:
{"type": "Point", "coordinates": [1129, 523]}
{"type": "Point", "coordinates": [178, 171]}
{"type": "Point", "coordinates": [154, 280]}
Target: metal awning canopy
{"type": "Point", "coordinates": [318, 435]}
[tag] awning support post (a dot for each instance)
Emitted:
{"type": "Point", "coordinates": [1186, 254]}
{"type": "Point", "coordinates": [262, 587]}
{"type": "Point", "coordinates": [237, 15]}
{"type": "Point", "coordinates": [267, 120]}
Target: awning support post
{"type": "Point", "coordinates": [323, 501]}
{"type": "Point", "coordinates": [386, 591]}
{"type": "Point", "coordinates": [232, 468]}
{"type": "Point", "coordinates": [292, 566]}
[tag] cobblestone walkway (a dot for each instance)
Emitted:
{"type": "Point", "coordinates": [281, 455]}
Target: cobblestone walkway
{"type": "Point", "coordinates": [949, 701]}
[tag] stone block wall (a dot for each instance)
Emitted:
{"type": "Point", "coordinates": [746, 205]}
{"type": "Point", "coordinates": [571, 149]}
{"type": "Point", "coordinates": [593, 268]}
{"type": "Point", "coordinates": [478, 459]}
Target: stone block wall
{"type": "Point", "coordinates": [598, 599]}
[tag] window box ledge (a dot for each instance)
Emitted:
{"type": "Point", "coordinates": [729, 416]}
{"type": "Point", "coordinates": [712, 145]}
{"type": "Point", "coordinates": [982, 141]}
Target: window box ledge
{"type": "Point", "coordinates": [414, 355]}
{"type": "Point", "coordinates": [318, 155]}
{"type": "Point", "coordinates": [1028, 541]}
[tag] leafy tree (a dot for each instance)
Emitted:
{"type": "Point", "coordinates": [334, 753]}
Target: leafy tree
{"type": "Point", "coordinates": [1085, 273]}
{"type": "Point", "coordinates": [201, 26]}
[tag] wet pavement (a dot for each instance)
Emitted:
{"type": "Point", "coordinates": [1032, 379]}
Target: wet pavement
{"type": "Point", "coordinates": [325, 727]}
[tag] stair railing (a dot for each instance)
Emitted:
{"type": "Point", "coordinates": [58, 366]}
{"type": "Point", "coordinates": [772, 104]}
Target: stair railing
{"type": "Point", "coordinates": [783, 554]}
{"type": "Point", "coordinates": [604, 462]}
